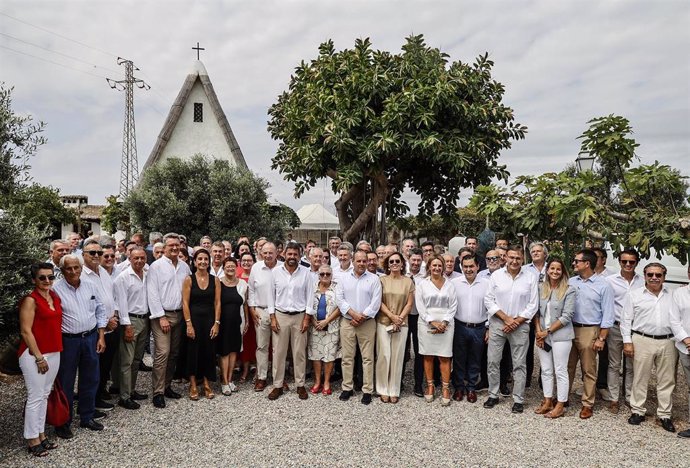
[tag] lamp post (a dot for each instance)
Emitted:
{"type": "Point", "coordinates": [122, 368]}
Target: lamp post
{"type": "Point", "coordinates": [584, 162]}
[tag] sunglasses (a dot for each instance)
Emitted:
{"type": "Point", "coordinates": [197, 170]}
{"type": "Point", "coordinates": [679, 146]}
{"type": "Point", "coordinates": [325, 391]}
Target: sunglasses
{"type": "Point", "coordinates": [46, 277]}
{"type": "Point", "coordinates": [109, 256]}
{"type": "Point", "coordinates": [655, 275]}
{"type": "Point", "coordinates": [493, 259]}
{"type": "Point", "coordinates": [324, 274]}
{"type": "Point", "coordinates": [94, 253]}
{"type": "Point", "coordinates": [628, 262]}
{"type": "Point", "coordinates": [393, 262]}
{"type": "Point", "coordinates": [577, 260]}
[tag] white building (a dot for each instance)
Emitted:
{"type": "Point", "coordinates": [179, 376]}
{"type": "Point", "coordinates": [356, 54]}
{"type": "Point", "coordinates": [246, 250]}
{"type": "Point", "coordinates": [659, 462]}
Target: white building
{"type": "Point", "coordinates": [196, 124]}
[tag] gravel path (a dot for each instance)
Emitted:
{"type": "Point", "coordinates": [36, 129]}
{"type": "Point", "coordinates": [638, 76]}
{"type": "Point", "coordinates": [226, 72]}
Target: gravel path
{"type": "Point", "coordinates": [246, 429]}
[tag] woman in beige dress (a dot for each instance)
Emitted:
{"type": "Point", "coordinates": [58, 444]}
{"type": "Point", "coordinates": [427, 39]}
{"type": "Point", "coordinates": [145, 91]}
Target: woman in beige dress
{"type": "Point", "coordinates": [324, 334]}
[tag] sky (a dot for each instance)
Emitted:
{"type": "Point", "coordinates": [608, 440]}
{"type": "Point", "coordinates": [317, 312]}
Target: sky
{"type": "Point", "coordinates": [562, 63]}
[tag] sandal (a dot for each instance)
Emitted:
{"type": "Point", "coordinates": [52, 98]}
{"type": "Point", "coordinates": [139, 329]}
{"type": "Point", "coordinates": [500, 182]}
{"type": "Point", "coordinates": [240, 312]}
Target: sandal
{"type": "Point", "coordinates": [394, 399]}
{"type": "Point", "coordinates": [225, 390]}
{"type": "Point", "coordinates": [48, 445]}
{"type": "Point", "coordinates": [384, 399]}
{"type": "Point", "coordinates": [429, 394]}
{"type": "Point", "coordinates": [194, 393]}
{"type": "Point", "coordinates": [557, 412]}
{"type": "Point", "coordinates": [209, 393]}
{"type": "Point", "coordinates": [446, 390]}
{"type": "Point", "coordinates": [38, 450]}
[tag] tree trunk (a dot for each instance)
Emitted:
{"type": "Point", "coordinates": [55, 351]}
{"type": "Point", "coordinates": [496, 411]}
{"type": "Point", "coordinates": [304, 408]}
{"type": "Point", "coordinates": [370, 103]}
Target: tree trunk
{"type": "Point", "coordinates": [362, 215]}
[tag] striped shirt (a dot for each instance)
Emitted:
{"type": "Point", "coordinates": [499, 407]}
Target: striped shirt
{"type": "Point", "coordinates": [81, 308]}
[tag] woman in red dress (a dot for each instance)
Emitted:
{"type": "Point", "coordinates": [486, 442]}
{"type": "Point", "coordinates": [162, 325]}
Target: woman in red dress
{"type": "Point", "coordinates": [248, 354]}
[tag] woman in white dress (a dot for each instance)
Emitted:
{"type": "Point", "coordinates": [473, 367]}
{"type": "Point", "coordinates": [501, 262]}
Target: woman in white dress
{"type": "Point", "coordinates": [436, 303]}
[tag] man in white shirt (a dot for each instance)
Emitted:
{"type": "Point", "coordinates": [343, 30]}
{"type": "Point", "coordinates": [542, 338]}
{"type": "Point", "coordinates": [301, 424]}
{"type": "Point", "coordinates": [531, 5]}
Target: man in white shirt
{"type": "Point", "coordinates": [130, 294]}
{"type": "Point", "coordinates": [415, 272]}
{"type": "Point", "coordinates": [164, 296]}
{"type": "Point", "coordinates": [358, 295]}
{"type": "Point", "coordinates": [621, 284]}
{"type": "Point", "coordinates": [648, 340]}
{"type": "Point", "coordinates": [315, 262]}
{"type": "Point", "coordinates": [333, 244]}
{"type": "Point", "coordinates": [217, 255]}
{"type": "Point", "coordinates": [470, 329]}
{"type": "Point", "coordinates": [260, 294]}
{"type": "Point", "coordinates": [680, 324]}
{"type": "Point", "coordinates": [344, 263]}
{"type": "Point", "coordinates": [449, 264]}
{"type": "Point", "coordinates": [290, 311]}
{"type": "Point", "coordinates": [511, 301]}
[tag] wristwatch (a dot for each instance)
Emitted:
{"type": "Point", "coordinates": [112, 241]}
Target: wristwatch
{"type": "Point", "coordinates": [548, 331]}
{"type": "Point", "coordinates": [217, 322]}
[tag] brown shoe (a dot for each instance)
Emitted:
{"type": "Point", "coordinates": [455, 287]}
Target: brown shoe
{"type": "Point", "coordinates": [614, 407]}
{"type": "Point", "coordinates": [286, 387]}
{"type": "Point", "coordinates": [458, 395]}
{"type": "Point", "coordinates": [586, 412]}
{"type": "Point", "coordinates": [259, 385]}
{"type": "Point", "coordinates": [275, 393]}
{"type": "Point", "coordinates": [302, 393]}
{"type": "Point", "coordinates": [472, 397]}
{"type": "Point", "coordinates": [545, 407]}
{"type": "Point", "coordinates": [557, 411]}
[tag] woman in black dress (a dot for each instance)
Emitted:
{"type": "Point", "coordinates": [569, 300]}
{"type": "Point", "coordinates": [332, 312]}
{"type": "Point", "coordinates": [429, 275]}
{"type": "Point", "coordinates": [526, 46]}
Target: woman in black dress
{"type": "Point", "coordinates": [201, 309]}
{"type": "Point", "coordinates": [234, 314]}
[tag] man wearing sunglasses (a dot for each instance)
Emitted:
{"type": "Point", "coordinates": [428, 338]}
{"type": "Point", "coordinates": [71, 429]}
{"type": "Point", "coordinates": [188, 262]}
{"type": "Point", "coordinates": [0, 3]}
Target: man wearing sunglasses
{"type": "Point", "coordinates": [648, 341]}
{"type": "Point", "coordinates": [622, 283]}
{"type": "Point", "coordinates": [680, 323]}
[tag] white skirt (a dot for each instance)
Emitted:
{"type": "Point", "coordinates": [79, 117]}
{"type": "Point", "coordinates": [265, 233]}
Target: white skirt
{"type": "Point", "coordinates": [438, 344]}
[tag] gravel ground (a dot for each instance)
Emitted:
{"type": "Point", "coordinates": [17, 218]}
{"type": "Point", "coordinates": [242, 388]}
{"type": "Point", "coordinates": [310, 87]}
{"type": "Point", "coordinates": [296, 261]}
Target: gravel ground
{"type": "Point", "coordinates": [246, 429]}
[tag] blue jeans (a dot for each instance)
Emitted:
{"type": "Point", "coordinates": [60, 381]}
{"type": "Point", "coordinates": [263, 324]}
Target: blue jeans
{"type": "Point", "coordinates": [468, 344]}
{"type": "Point", "coordinates": [80, 354]}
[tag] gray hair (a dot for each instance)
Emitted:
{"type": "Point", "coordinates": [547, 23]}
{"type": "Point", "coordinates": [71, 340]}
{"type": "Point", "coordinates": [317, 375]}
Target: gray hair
{"type": "Point", "coordinates": [78, 258]}
{"type": "Point", "coordinates": [89, 242]}
{"type": "Point", "coordinates": [155, 236]}
{"type": "Point", "coordinates": [171, 235]}
{"type": "Point", "coordinates": [361, 243]}
{"type": "Point", "coordinates": [159, 245]}
{"type": "Point", "coordinates": [539, 244]}
{"type": "Point", "coordinates": [54, 243]}
{"type": "Point", "coordinates": [106, 241]}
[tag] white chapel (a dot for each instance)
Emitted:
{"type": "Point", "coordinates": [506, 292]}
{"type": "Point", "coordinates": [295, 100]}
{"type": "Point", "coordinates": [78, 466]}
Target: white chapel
{"type": "Point", "coordinates": [196, 124]}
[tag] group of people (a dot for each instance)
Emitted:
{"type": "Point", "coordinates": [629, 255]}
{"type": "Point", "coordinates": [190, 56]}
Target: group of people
{"type": "Point", "coordinates": [352, 313]}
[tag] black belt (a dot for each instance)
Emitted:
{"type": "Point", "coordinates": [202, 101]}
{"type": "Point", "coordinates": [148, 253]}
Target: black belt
{"type": "Point", "coordinates": [655, 337]}
{"type": "Point", "coordinates": [139, 315]}
{"type": "Point", "coordinates": [260, 307]}
{"type": "Point", "coordinates": [470, 325]}
{"type": "Point", "coordinates": [80, 335]}
{"type": "Point", "coordinates": [290, 313]}
{"type": "Point", "coordinates": [582, 325]}
{"type": "Point", "coordinates": [617, 323]}
{"type": "Point", "coordinates": [171, 311]}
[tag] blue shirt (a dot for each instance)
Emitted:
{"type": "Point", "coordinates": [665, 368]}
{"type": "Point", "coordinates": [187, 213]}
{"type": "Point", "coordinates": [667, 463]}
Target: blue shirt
{"type": "Point", "coordinates": [594, 304]}
{"type": "Point", "coordinates": [321, 309]}
{"type": "Point", "coordinates": [82, 309]}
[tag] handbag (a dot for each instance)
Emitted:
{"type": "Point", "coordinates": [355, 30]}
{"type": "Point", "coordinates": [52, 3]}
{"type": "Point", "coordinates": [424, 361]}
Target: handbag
{"type": "Point", "coordinates": [57, 413]}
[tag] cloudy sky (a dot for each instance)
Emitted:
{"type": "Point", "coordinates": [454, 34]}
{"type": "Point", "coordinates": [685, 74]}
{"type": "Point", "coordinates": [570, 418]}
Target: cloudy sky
{"type": "Point", "coordinates": [562, 63]}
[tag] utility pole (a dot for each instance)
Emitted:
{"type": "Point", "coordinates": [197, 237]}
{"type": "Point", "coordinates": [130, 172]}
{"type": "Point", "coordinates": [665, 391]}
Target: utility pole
{"type": "Point", "coordinates": [129, 168]}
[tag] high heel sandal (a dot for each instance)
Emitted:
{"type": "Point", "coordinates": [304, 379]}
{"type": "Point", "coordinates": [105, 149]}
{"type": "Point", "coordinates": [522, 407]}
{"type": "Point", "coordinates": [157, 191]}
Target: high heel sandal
{"type": "Point", "coordinates": [193, 393]}
{"type": "Point", "coordinates": [545, 407]}
{"type": "Point", "coordinates": [209, 393]}
{"type": "Point", "coordinates": [429, 397]}
{"type": "Point", "coordinates": [445, 391]}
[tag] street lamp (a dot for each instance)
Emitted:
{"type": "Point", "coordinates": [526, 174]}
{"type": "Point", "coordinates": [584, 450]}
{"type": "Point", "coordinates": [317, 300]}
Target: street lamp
{"type": "Point", "coordinates": [584, 162]}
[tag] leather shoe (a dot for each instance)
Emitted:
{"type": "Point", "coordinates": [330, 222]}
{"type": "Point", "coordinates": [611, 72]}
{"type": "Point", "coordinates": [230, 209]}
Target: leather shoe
{"type": "Point", "coordinates": [667, 424]}
{"type": "Point", "coordinates": [104, 405]}
{"type": "Point", "coordinates": [98, 415]}
{"type": "Point", "coordinates": [259, 385]}
{"type": "Point", "coordinates": [65, 432]}
{"type": "Point", "coordinates": [636, 419]}
{"type": "Point", "coordinates": [517, 408]}
{"type": "Point", "coordinates": [170, 393]}
{"type": "Point", "coordinates": [490, 402]}
{"type": "Point", "coordinates": [586, 412]}
{"type": "Point", "coordinates": [159, 401]}
{"type": "Point", "coordinates": [92, 424]}
{"type": "Point", "coordinates": [128, 404]}
{"type": "Point", "coordinates": [136, 396]}
{"type": "Point", "coordinates": [684, 434]}
{"type": "Point", "coordinates": [345, 395]}
{"type": "Point", "coordinates": [302, 393]}
{"type": "Point", "coordinates": [275, 393]}
{"type": "Point", "coordinates": [614, 407]}
{"type": "Point", "coordinates": [504, 391]}
{"type": "Point", "coordinates": [366, 398]}
{"type": "Point", "coordinates": [458, 395]}
{"type": "Point", "coordinates": [472, 397]}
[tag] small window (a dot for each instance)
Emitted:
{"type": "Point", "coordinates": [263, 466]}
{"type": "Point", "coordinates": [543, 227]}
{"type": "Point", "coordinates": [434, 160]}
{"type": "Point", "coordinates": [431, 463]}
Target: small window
{"type": "Point", "coordinates": [198, 112]}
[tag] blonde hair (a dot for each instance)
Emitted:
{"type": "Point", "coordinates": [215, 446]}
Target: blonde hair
{"type": "Point", "coordinates": [562, 288]}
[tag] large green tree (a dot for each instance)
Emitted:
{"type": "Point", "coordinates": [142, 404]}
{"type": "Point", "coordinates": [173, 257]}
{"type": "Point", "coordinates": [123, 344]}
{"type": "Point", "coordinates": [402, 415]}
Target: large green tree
{"type": "Point", "coordinates": [645, 207]}
{"type": "Point", "coordinates": [206, 197]}
{"type": "Point", "coordinates": [379, 123]}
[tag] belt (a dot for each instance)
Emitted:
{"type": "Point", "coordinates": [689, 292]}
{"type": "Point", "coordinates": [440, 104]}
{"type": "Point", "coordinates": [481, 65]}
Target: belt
{"type": "Point", "coordinates": [470, 325]}
{"type": "Point", "coordinates": [261, 307]}
{"type": "Point", "coordinates": [290, 313]}
{"type": "Point", "coordinates": [171, 311]}
{"type": "Point", "coordinates": [617, 323]}
{"type": "Point", "coordinates": [581, 325]}
{"type": "Point", "coordinates": [80, 335]}
{"type": "Point", "coordinates": [139, 315]}
{"type": "Point", "coordinates": [655, 337]}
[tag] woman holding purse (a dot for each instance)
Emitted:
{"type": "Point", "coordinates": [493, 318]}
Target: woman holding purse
{"type": "Point", "coordinates": [554, 333]}
{"type": "Point", "coordinates": [40, 322]}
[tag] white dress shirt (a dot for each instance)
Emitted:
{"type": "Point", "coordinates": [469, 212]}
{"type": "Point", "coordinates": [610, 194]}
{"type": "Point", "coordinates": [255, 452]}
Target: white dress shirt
{"type": "Point", "coordinates": [453, 275]}
{"type": "Point", "coordinates": [532, 268]}
{"type": "Point", "coordinates": [104, 283]}
{"type": "Point", "coordinates": [361, 294]}
{"type": "Point", "coordinates": [647, 313]}
{"type": "Point", "coordinates": [164, 285]}
{"type": "Point", "coordinates": [471, 307]}
{"type": "Point", "coordinates": [434, 304]}
{"type": "Point", "coordinates": [680, 317]}
{"type": "Point", "coordinates": [516, 297]}
{"type": "Point", "coordinates": [292, 292]}
{"type": "Point", "coordinates": [130, 294]}
{"type": "Point", "coordinates": [82, 309]}
{"type": "Point", "coordinates": [260, 284]}
{"type": "Point", "coordinates": [219, 273]}
{"type": "Point", "coordinates": [621, 287]}
{"type": "Point", "coordinates": [338, 272]}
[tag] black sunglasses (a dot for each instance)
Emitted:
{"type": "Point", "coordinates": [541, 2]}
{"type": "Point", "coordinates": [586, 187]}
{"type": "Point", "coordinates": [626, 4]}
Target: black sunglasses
{"type": "Point", "coordinates": [655, 275]}
{"type": "Point", "coordinates": [46, 277]}
{"type": "Point", "coordinates": [493, 259]}
{"type": "Point", "coordinates": [393, 262]}
{"type": "Point", "coordinates": [109, 256]}
{"type": "Point", "coordinates": [94, 253]}
{"type": "Point", "coordinates": [628, 262]}
{"type": "Point", "coordinates": [324, 274]}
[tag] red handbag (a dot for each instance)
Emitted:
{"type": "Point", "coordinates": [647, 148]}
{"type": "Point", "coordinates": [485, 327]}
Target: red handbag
{"type": "Point", "coordinates": [57, 413]}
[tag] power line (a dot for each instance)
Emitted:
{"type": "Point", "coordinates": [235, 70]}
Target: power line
{"type": "Point", "coordinates": [51, 61]}
{"type": "Point", "coordinates": [59, 53]}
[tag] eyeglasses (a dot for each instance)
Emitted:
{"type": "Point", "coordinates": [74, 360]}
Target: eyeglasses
{"type": "Point", "coordinates": [427, 250]}
{"type": "Point", "coordinates": [628, 262]}
{"type": "Point", "coordinates": [109, 256]}
{"type": "Point", "coordinates": [94, 253]}
{"type": "Point", "coordinates": [493, 259]}
{"type": "Point", "coordinates": [46, 277]}
{"type": "Point", "coordinates": [655, 275]}
{"type": "Point", "coordinates": [577, 260]}
{"type": "Point", "coordinates": [393, 262]}
{"type": "Point", "coordinates": [324, 274]}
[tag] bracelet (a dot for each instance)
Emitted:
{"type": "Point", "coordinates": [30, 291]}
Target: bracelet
{"type": "Point", "coordinates": [217, 322]}
{"type": "Point", "coordinates": [40, 360]}
{"type": "Point", "coordinates": [187, 320]}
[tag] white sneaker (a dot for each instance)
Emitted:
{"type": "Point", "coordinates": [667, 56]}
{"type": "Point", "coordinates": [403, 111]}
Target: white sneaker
{"type": "Point", "coordinates": [232, 387]}
{"type": "Point", "coordinates": [225, 390]}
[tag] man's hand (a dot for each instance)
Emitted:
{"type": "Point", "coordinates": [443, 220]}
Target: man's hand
{"type": "Point", "coordinates": [598, 344]}
{"type": "Point", "coordinates": [628, 350]}
{"type": "Point", "coordinates": [274, 324]}
{"type": "Point", "coordinates": [129, 334]}
{"type": "Point", "coordinates": [100, 344]}
{"type": "Point", "coordinates": [112, 323]}
{"type": "Point", "coordinates": [486, 336]}
{"type": "Point", "coordinates": [255, 316]}
{"type": "Point", "coordinates": [305, 323]}
{"type": "Point", "coordinates": [165, 325]}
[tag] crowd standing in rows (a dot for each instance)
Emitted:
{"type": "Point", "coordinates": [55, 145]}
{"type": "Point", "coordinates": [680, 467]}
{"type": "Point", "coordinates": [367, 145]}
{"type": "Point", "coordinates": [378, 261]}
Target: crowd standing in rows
{"type": "Point", "coordinates": [354, 313]}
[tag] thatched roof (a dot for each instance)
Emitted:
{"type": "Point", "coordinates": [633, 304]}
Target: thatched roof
{"type": "Point", "coordinates": [198, 73]}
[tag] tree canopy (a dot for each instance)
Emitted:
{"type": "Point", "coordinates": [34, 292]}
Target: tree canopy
{"type": "Point", "coordinates": [206, 197]}
{"type": "Point", "coordinates": [378, 123]}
